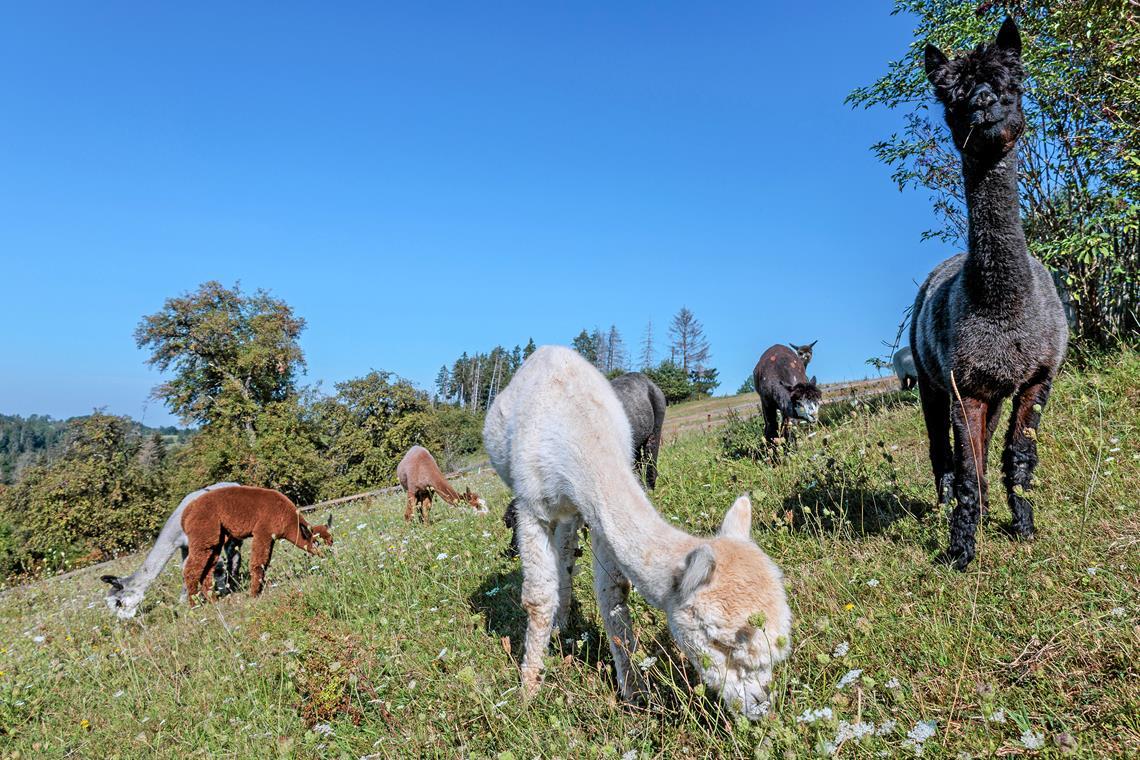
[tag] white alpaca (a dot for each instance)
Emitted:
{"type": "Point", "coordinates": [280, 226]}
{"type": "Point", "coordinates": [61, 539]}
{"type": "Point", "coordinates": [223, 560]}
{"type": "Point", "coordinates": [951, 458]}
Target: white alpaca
{"type": "Point", "coordinates": [558, 437]}
{"type": "Point", "coordinates": [126, 593]}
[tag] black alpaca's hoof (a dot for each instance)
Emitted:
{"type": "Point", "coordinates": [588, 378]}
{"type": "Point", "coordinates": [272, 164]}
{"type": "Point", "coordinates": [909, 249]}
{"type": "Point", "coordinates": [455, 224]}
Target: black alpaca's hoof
{"type": "Point", "coordinates": [956, 560]}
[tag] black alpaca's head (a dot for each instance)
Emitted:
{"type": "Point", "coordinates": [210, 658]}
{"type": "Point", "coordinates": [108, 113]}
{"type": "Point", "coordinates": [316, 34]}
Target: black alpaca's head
{"type": "Point", "coordinates": [806, 398]}
{"type": "Point", "coordinates": [981, 92]}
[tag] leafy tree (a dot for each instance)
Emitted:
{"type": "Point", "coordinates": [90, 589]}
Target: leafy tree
{"type": "Point", "coordinates": [688, 343]}
{"type": "Point", "coordinates": [614, 359]}
{"type": "Point", "coordinates": [748, 386]}
{"type": "Point", "coordinates": [232, 354]}
{"type": "Point", "coordinates": [530, 349]}
{"type": "Point", "coordinates": [102, 495]}
{"type": "Point", "coordinates": [1080, 155]}
{"type": "Point", "coordinates": [672, 380]}
{"type": "Point", "coordinates": [584, 344]}
{"type": "Point", "coordinates": [704, 381]}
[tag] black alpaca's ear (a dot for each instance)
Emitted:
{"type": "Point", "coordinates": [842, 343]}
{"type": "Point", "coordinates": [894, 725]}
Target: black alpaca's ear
{"type": "Point", "coordinates": [306, 533]}
{"type": "Point", "coordinates": [812, 381]}
{"type": "Point", "coordinates": [935, 60]}
{"type": "Point", "coordinates": [113, 580]}
{"type": "Point", "coordinates": [1008, 37]}
{"type": "Point", "coordinates": [812, 344]}
{"type": "Point", "coordinates": [328, 522]}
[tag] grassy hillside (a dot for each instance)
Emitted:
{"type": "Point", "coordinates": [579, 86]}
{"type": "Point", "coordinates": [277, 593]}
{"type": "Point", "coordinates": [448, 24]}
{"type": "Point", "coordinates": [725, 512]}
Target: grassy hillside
{"type": "Point", "coordinates": [404, 642]}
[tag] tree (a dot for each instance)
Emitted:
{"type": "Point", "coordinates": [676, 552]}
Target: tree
{"type": "Point", "coordinates": [443, 382]}
{"type": "Point", "coordinates": [688, 344]}
{"type": "Point", "coordinates": [748, 386]}
{"type": "Point", "coordinates": [231, 354]}
{"type": "Point", "coordinates": [1080, 155]}
{"type": "Point", "coordinates": [704, 381]}
{"type": "Point", "coordinates": [615, 355]}
{"type": "Point", "coordinates": [530, 349]}
{"type": "Point", "coordinates": [672, 380]}
{"type": "Point", "coordinates": [584, 344]}
{"type": "Point", "coordinates": [646, 358]}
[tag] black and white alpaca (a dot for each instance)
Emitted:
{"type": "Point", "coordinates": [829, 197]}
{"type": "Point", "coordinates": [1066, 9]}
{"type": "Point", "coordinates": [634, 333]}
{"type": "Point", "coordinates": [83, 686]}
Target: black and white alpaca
{"type": "Point", "coordinates": [781, 380]}
{"type": "Point", "coordinates": [988, 324]}
{"type": "Point", "coordinates": [805, 351]}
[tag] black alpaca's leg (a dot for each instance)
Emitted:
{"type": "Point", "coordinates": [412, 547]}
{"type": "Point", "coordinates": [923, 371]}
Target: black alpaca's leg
{"type": "Point", "coordinates": [969, 420]}
{"type": "Point", "coordinates": [936, 412]}
{"type": "Point", "coordinates": [1020, 456]}
{"type": "Point", "coordinates": [509, 521]}
{"type": "Point", "coordinates": [650, 452]}
{"type": "Point", "coordinates": [992, 416]}
{"type": "Point", "coordinates": [771, 430]}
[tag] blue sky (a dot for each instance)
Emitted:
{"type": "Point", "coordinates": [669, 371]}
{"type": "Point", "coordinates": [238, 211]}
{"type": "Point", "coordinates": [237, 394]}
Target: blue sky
{"type": "Point", "coordinates": [425, 180]}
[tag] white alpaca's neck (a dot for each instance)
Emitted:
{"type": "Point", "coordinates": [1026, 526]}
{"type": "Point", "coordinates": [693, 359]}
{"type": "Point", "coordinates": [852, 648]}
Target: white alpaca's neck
{"type": "Point", "coordinates": [649, 549]}
{"type": "Point", "coordinates": [155, 561]}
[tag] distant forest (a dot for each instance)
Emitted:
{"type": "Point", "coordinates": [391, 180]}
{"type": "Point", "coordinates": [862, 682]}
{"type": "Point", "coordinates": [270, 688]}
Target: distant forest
{"type": "Point", "coordinates": [38, 438]}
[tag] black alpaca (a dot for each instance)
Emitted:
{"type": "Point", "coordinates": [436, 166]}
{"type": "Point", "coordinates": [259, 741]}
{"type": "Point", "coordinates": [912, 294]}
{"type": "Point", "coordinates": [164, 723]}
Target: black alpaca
{"type": "Point", "coordinates": [783, 386]}
{"type": "Point", "coordinates": [644, 405]}
{"type": "Point", "coordinates": [988, 323]}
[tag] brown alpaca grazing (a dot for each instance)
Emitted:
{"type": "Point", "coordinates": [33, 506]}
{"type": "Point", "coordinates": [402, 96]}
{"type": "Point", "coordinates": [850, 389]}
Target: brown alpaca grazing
{"type": "Point", "coordinates": [238, 513]}
{"type": "Point", "coordinates": [421, 478]}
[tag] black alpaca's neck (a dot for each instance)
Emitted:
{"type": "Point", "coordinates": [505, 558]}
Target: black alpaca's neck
{"type": "Point", "coordinates": [997, 266]}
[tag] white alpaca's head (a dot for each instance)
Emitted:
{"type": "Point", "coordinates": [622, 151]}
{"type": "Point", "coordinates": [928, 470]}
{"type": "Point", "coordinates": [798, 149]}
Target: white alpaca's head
{"type": "Point", "coordinates": [123, 600]}
{"type": "Point", "coordinates": [730, 616]}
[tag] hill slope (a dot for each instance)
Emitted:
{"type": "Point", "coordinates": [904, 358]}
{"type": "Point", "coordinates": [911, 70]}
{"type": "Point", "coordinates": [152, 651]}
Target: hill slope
{"type": "Point", "coordinates": [404, 641]}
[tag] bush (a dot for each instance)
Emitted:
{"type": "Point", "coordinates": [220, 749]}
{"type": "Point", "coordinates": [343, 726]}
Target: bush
{"type": "Point", "coordinates": [743, 438]}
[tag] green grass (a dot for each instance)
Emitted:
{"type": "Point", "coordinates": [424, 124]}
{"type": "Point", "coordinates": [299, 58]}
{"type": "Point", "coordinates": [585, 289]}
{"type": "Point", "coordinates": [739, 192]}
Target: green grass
{"type": "Point", "coordinates": [404, 642]}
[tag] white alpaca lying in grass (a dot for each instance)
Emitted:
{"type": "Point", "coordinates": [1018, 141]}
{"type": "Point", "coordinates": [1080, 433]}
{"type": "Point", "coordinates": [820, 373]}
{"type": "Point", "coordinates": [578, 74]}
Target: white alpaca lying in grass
{"type": "Point", "coordinates": [558, 437]}
{"type": "Point", "coordinates": [126, 593]}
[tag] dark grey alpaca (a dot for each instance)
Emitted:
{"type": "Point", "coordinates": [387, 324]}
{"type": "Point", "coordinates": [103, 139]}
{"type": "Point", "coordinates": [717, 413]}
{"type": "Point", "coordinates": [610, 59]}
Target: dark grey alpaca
{"type": "Point", "coordinates": [988, 323]}
{"type": "Point", "coordinates": [644, 405]}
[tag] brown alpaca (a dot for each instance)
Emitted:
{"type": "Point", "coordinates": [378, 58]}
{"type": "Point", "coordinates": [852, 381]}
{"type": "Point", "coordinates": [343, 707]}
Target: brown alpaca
{"type": "Point", "coordinates": [238, 513]}
{"type": "Point", "coordinates": [421, 478]}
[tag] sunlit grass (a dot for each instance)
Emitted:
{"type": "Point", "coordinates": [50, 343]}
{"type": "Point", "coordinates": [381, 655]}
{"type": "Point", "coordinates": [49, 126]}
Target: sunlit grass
{"type": "Point", "coordinates": [404, 640]}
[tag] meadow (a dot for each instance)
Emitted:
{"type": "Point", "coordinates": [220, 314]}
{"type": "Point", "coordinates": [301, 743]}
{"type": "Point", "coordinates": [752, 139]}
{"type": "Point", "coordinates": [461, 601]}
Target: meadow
{"type": "Point", "coordinates": [404, 640]}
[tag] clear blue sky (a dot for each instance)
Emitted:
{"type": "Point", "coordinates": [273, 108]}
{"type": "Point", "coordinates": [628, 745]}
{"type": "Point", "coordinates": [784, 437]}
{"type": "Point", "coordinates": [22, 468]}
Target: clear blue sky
{"type": "Point", "coordinates": [422, 181]}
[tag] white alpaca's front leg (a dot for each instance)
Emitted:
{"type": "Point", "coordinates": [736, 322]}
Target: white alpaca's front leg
{"type": "Point", "coordinates": [540, 568]}
{"type": "Point", "coordinates": [611, 588]}
{"type": "Point", "coordinates": [566, 545]}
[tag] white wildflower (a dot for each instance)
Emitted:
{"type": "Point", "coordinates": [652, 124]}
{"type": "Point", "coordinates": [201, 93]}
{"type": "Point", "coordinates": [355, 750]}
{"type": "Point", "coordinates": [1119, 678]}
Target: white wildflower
{"type": "Point", "coordinates": [118, 694]}
{"type": "Point", "coordinates": [647, 663]}
{"type": "Point", "coordinates": [441, 556]}
{"type": "Point", "coordinates": [850, 677]}
{"type": "Point", "coordinates": [922, 731]}
{"type": "Point", "coordinates": [361, 526]}
{"type": "Point", "coordinates": [998, 716]}
{"type": "Point", "coordinates": [847, 731]}
{"type": "Point", "coordinates": [631, 755]}
{"type": "Point", "coordinates": [38, 639]}
{"type": "Point", "coordinates": [442, 654]}
{"type": "Point", "coordinates": [811, 716]}
{"type": "Point", "coordinates": [1032, 739]}
{"type": "Point", "coordinates": [486, 534]}
{"type": "Point", "coordinates": [1117, 612]}
{"type": "Point", "coordinates": [873, 582]}
{"type": "Point", "coordinates": [841, 649]}
{"type": "Point", "coordinates": [893, 683]}
{"type": "Point", "coordinates": [1092, 570]}
{"type": "Point", "coordinates": [886, 727]}
{"type": "Point", "coordinates": [324, 729]}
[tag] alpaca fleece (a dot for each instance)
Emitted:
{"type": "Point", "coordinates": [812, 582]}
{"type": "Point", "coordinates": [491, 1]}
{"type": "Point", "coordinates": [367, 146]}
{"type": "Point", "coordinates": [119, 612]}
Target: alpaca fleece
{"type": "Point", "coordinates": [781, 381]}
{"type": "Point", "coordinates": [559, 438]}
{"type": "Point", "coordinates": [421, 477]}
{"type": "Point", "coordinates": [988, 324]}
{"type": "Point", "coordinates": [238, 513]}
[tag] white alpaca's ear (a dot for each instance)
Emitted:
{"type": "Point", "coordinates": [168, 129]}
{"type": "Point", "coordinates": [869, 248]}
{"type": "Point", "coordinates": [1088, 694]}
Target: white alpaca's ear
{"type": "Point", "coordinates": [699, 567]}
{"type": "Point", "coordinates": [738, 522]}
